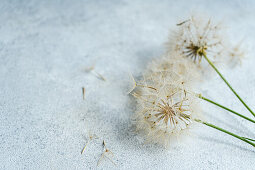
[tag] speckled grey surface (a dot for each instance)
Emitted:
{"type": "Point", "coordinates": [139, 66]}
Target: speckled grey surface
{"type": "Point", "coordinates": [45, 47]}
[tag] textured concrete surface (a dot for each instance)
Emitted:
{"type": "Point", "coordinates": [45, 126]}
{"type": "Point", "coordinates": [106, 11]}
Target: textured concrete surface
{"type": "Point", "coordinates": [45, 46]}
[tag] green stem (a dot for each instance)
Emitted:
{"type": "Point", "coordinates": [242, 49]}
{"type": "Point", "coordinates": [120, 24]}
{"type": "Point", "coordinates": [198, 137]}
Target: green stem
{"type": "Point", "coordinates": [232, 111]}
{"type": "Point", "coordinates": [228, 84]}
{"type": "Point", "coordinates": [247, 140]}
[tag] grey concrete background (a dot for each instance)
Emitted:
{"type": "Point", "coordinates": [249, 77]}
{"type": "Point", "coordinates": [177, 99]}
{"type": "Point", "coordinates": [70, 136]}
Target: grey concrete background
{"type": "Point", "coordinates": [45, 46]}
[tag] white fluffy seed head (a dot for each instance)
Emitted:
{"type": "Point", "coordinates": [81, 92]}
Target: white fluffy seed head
{"type": "Point", "coordinates": [166, 104]}
{"type": "Point", "coordinates": [196, 36]}
{"type": "Point", "coordinates": [165, 108]}
{"type": "Point", "coordinates": [174, 68]}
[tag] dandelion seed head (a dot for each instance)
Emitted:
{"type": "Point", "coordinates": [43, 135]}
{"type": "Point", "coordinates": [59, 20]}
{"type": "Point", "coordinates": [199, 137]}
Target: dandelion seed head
{"type": "Point", "coordinates": [196, 37]}
{"type": "Point", "coordinates": [174, 68]}
{"type": "Point", "coordinates": [165, 109]}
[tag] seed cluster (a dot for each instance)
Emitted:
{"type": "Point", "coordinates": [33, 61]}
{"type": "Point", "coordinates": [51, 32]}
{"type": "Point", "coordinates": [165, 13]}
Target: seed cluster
{"type": "Point", "coordinates": [166, 104]}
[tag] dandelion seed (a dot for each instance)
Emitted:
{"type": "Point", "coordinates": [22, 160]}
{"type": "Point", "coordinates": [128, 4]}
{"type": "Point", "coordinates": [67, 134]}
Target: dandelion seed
{"type": "Point", "coordinates": [85, 146]}
{"type": "Point", "coordinates": [98, 75]}
{"type": "Point", "coordinates": [89, 69]}
{"type": "Point", "coordinates": [182, 22]}
{"type": "Point", "coordinates": [133, 83]}
{"type": "Point", "coordinates": [91, 137]}
{"type": "Point", "coordinates": [83, 92]}
{"type": "Point", "coordinates": [104, 154]}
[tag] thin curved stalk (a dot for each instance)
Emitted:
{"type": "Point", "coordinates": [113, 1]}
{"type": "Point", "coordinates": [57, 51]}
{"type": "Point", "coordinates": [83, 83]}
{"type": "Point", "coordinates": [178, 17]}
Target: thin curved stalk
{"type": "Point", "coordinates": [232, 111]}
{"type": "Point", "coordinates": [247, 140]}
{"type": "Point", "coordinates": [247, 107]}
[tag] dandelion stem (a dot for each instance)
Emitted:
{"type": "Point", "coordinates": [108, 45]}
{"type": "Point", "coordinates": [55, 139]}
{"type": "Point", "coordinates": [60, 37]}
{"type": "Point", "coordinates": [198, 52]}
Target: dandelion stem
{"type": "Point", "coordinates": [247, 140]}
{"type": "Point", "coordinates": [204, 54]}
{"type": "Point", "coordinates": [219, 105]}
